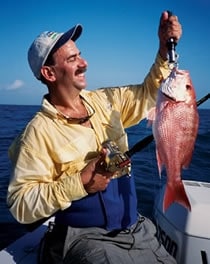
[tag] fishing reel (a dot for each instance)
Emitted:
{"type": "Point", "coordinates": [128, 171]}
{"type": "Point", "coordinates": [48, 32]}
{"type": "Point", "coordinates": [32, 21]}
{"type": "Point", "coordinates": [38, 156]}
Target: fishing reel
{"type": "Point", "coordinates": [115, 160]}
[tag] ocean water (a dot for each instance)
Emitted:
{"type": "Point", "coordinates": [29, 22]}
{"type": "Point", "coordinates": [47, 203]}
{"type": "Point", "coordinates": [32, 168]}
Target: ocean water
{"type": "Point", "coordinates": [13, 118]}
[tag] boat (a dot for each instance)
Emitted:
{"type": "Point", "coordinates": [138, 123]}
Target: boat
{"type": "Point", "coordinates": [186, 234]}
{"type": "Point", "coordinates": [25, 249]}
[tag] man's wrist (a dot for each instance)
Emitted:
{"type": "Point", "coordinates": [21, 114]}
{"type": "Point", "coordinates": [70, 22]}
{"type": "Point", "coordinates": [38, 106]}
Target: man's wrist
{"type": "Point", "coordinates": [163, 52]}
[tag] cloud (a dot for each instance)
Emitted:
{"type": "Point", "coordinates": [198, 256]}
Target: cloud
{"type": "Point", "coordinates": [15, 85]}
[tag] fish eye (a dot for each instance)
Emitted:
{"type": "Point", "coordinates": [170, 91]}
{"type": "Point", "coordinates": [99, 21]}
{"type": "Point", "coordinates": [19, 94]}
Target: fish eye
{"type": "Point", "coordinates": [188, 87]}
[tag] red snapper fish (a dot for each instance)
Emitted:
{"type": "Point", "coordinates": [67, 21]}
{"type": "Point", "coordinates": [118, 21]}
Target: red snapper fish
{"type": "Point", "coordinates": [175, 130]}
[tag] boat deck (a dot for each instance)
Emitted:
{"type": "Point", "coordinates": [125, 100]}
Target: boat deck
{"type": "Point", "coordinates": [24, 250]}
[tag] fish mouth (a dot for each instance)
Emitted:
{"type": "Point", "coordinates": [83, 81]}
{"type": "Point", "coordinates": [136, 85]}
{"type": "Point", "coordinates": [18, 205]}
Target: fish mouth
{"type": "Point", "coordinates": [169, 97]}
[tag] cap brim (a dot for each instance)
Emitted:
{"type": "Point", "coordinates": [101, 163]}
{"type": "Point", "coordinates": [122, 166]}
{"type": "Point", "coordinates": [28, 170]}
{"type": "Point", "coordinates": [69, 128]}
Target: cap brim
{"type": "Point", "coordinates": [74, 33]}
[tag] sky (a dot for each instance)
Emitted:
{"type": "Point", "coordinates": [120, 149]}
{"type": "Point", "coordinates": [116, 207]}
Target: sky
{"type": "Point", "coordinates": [119, 41]}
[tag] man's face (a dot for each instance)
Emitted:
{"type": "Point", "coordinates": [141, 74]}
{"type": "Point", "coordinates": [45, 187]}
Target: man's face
{"type": "Point", "coordinates": [69, 67]}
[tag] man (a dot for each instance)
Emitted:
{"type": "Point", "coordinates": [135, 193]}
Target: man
{"type": "Point", "coordinates": [60, 166]}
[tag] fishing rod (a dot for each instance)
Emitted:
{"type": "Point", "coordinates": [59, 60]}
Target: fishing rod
{"type": "Point", "coordinates": [148, 139]}
{"type": "Point", "coordinates": [203, 99]}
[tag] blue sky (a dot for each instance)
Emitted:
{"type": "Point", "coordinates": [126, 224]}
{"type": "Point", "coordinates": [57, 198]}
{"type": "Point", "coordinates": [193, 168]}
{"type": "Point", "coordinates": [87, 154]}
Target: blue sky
{"type": "Point", "coordinates": [119, 41]}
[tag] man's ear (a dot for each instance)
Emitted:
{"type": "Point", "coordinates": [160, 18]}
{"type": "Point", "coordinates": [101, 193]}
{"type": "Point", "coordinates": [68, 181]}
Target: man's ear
{"type": "Point", "coordinates": [48, 73]}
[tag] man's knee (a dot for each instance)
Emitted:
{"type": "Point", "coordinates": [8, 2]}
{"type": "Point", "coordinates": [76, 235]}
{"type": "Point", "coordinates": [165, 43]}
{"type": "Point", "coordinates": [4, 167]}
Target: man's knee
{"type": "Point", "coordinates": [87, 251]}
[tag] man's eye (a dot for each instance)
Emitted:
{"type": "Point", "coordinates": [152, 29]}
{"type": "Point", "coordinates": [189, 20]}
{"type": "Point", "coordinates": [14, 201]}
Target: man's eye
{"type": "Point", "coordinates": [74, 57]}
{"type": "Point", "coordinates": [71, 59]}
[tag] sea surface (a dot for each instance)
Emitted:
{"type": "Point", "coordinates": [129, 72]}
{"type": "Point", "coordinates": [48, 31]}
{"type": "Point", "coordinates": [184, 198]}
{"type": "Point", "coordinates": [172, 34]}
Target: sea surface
{"type": "Point", "coordinates": [13, 118]}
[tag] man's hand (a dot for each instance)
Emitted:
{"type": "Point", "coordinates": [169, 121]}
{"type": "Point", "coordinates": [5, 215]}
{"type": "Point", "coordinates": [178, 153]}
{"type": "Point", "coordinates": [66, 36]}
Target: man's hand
{"type": "Point", "coordinates": [169, 27]}
{"type": "Point", "coordinates": [94, 175]}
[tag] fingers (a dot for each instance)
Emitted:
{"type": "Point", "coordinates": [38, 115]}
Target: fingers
{"type": "Point", "coordinates": [88, 171]}
{"type": "Point", "coordinates": [169, 27]}
{"type": "Point", "coordinates": [95, 176]}
{"type": "Point", "coordinates": [97, 183]}
{"type": "Point", "coordinates": [100, 165]}
{"type": "Point", "coordinates": [164, 17]}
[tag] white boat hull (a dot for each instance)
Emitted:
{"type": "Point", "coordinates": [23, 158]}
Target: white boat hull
{"type": "Point", "coordinates": [186, 234]}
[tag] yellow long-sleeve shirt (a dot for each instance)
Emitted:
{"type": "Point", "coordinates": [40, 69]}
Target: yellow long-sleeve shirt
{"type": "Point", "coordinates": [48, 156]}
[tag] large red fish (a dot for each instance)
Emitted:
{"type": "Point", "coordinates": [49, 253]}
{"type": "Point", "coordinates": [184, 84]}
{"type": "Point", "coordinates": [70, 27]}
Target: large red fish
{"type": "Point", "coordinates": [175, 130]}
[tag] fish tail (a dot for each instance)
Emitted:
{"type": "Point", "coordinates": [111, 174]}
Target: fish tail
{"type": "Point", "coordinates": [175, 193]}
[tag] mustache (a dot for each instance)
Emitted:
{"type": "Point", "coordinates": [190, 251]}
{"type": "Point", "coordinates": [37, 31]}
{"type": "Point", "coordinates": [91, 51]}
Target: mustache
{"type": "Point", "coordinates": [81, 70]}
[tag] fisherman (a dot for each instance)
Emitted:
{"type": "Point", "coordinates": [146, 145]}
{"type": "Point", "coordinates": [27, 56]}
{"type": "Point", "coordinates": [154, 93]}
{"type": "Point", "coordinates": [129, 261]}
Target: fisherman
{"type": "Point", "coordinates": [60, 167]}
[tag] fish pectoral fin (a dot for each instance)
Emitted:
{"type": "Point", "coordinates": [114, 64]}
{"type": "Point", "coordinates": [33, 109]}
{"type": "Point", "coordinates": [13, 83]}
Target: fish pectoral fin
{"type": "Point", "coordinates": [175, 193]}
{"type": "Point", "coordinates": [151, 116]}
{"type": "Point", "coordinates": [159, 163]}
